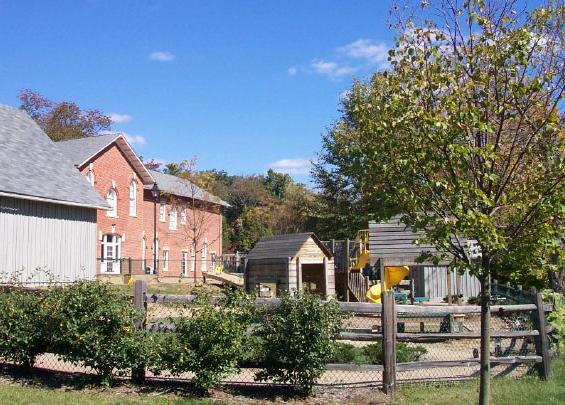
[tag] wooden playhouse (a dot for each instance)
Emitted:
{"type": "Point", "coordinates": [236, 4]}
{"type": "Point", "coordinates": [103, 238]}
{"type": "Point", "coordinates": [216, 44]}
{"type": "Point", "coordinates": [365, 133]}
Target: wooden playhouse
{"type": "Point", "coordinates": [290, 262]}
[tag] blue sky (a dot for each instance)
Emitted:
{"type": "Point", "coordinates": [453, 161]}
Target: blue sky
{"type": "Point", "coordinates": [242, 85]}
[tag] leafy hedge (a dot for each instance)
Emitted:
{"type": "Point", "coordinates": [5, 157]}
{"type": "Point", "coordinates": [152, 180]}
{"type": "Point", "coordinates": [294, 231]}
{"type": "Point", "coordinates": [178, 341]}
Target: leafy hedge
{"type": "Point", "coordinates": [94, 324]}
{"type": "Point", "coordinates": [22, 327]}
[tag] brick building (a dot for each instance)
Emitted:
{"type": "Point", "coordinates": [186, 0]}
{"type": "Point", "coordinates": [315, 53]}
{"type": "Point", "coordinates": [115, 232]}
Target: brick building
{"type": "Point", "coordinates": [188, 220]}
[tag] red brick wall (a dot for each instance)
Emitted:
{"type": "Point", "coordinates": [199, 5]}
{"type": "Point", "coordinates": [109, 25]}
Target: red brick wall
{"type": "Point", "coordinates": [112, 170]}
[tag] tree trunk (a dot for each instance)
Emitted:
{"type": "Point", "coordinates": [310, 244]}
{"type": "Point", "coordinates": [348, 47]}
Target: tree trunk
{"type": "Point", "coordinates": [484, 394]}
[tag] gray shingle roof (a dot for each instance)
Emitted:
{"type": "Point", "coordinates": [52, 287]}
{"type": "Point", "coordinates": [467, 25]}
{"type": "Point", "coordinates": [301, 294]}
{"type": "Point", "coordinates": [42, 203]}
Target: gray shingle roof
{"type": "Point", "coordinates": [82, 150]}
{"type": "Point", "coordinates": [184, 188]}
{"type": "Point", "coordinates": [282, 246]}
{"type": "Point", "coordinates": [32, 166]}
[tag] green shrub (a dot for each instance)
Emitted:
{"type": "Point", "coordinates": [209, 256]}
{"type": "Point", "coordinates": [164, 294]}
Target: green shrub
{"type": "Point", "coordinates": [23, 335]}
{"type": "Point", "coordinates": [556, 318]}
{"type": "Point", "coordinates": [93, 324]}
{"type": "Point", "coordinates": [372, 354]}
{"type": "Point", "coordinates": [346, 353]}
{"type": "Point", "coordinates": [299, 338]}
{"type": "Point", "coordinates": [209, 342]}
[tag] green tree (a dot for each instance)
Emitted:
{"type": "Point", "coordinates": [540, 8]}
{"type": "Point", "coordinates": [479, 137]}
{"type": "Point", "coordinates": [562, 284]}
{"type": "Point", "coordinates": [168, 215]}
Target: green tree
{"type": "Point", "coordinates": [277, 183]}
{"type": "Point", "coordinates": [63, 120]}
{"type": "Point", "coordinates": [463, 138]}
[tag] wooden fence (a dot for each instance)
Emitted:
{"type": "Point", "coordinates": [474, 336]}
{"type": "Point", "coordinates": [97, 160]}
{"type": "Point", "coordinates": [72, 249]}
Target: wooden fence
{"type": "Point", "coordinates": [387, 325]}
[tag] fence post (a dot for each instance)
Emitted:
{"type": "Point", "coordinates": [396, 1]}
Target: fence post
{"type": "Point", "coordinates": [541, 343]}
{"type": "Point", "coordinates": [140, 291]}
{"type": "Point", "coordinates": [389, 341]}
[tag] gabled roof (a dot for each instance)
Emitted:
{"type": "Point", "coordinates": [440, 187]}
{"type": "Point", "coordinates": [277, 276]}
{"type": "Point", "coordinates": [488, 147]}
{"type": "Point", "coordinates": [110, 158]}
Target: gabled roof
{"type": "Point", "coordinates": [177, 186]}
{"type": "Point", "coordinates": [282, 246]}
{"type": "Point", "coordinates": [81, 151]}
{"type": "Point", "coordinates": [32, 166]}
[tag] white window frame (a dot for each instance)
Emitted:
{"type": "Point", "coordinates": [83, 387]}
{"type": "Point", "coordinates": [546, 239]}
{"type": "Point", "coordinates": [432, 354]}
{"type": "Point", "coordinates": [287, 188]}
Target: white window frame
{"type": "Point", "coordinates": [133, 199]}
{"type": "Point", "coordinates": [193, 257]}
{"type": "Point", "coordinates": [112, 200]}
{"type": "Point", "coordinates": [184, 262]}
{"type": "Point", "coordinates": [111, 254]}
{"type": "Point", "coordinates": [165, 259]}
{"type": "Point", "coordinates": [162, 211]}
{"type": "Point", "coordinates": [90, 177]}
{"type": "Point", "coordinates": [183, 216]}
{"type": "Point", "coordinates": [173, 218]}
{"type": "Point", "coordinates": [203, 256]}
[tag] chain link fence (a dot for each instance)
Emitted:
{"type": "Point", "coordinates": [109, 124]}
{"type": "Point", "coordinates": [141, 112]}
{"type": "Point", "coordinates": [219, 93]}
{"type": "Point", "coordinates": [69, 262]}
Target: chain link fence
{"type": "Point", "coordinates": [433, 344]}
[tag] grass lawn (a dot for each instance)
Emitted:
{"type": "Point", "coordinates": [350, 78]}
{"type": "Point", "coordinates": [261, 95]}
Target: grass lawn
{"type": "Point", "coordinates": [524, 391]}
{"type": "Point", "coordinates": [173, 288]}
{"type": "Point", "coordinates": [14, 395]}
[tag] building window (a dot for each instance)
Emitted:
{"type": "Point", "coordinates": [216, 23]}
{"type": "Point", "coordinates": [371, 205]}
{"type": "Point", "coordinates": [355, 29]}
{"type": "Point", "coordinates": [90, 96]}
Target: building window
{"type": "Point", "coordinates": [111, 250]}
{"type": "Point", "coordinates": [90, 177]}
{"type": "Point", "coordinates": [173, 219]}
{"type": "Point", "coordinates": [193, 257]}
{"type": "Point", "coordinates": [183, 216]}
{"type": "Point", "coordinates": [204, 255]}
{"type": "Point", "coordinates": [133, 198]}
{"type": "Point", "coordinates": [165, 260]}
{"type": "Point", "coordinates": [184, 259]}
{"type": "Point", "coordinates": [112, 200]}
{"type": "Point", "coordinates": [162, 211]}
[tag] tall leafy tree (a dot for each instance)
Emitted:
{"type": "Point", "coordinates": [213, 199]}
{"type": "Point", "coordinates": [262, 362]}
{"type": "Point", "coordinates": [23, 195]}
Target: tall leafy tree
{"type": "Point", "coordinates": [63, 120]}
{"type": "Point", "coordinates": [464, 139]}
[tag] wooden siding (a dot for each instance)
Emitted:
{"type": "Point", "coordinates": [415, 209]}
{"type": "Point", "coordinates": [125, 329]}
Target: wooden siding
{"type": "Point", "coordinates": [395, 243]}
{"type": "Point", "coordinates": [58, 238]}
{"type": "Point", "coordinates": [431, 282]}
{"type": "Point", "coordinates": [268, 271]}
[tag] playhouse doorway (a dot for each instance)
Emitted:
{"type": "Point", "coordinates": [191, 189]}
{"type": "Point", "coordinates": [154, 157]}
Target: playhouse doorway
{"type": "Point", "coordinates": [313, 279]}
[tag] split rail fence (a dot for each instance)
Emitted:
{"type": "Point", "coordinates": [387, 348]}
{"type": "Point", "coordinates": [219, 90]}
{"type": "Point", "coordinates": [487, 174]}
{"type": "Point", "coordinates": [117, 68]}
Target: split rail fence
{"type": "Point", "coordinates": [417, 343]}
{"type": "Point", "coordinates": [384, 345]}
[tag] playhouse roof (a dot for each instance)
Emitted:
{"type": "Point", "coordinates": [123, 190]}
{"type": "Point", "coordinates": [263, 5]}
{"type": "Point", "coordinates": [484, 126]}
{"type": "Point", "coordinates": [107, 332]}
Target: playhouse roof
{"type": "Point", "coordinates": [283, 246]}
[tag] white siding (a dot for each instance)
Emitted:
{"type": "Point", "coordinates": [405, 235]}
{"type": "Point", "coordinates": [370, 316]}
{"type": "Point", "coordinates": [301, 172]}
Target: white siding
{"type": "Point", "coordinates": [57, 238]}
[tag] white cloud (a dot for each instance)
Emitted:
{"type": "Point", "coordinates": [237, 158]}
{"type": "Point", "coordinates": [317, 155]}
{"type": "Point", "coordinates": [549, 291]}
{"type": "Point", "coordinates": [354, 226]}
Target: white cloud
{"type": "Point", "coordinates": [374, 52]}
{"type": "Point", "coordinates": [292, 71]}
{"type": "Point", "coordinates": [132, 139]}
{"type": "Point", "coordinates": [331, 69]}
{"type": "Point", "coordinates": [120, 118]}
{"type": "Point", "coordinates": [292, 166]}
{"type": "Point", "coordinates": [161, 56]}
{"type": "Point", "coordinates": [135, 139]}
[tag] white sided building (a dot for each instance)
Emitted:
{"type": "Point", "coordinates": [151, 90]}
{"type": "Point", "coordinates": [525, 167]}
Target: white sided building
{"type": "Point", "coordinates": [47, 208]}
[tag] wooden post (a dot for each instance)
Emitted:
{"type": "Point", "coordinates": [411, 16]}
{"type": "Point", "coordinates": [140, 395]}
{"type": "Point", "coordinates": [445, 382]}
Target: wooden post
{"type": "Point", "coordinates": [140, 291]}
{"type": "Point", "coordinates": [541, 343]}
{"type": "Point", "coordinates": [449, 297]}
{"type": "Point", "coordinates": [347, 297]}
{"type": "Point", "coordinates": [458, 286]}
{"type": "Point", "coordinates": [325, 270]}
{"type": "Point", "coordinates": [298, 274]}
{"type": "Point", "coordinates": [389, 342]}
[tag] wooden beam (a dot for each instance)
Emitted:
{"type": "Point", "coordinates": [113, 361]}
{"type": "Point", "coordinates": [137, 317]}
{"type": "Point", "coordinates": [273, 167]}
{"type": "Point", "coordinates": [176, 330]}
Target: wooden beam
{"type": "Point", "coordinates": [423, 337]}
{"type": "Point", "coordinates": [389, 342]}
{"type": "Point", "coordinates": [542, 348]}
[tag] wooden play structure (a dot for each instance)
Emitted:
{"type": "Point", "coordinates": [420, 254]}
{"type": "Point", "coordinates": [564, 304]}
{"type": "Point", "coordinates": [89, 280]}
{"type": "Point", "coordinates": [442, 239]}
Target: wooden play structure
{"type": "Point", "coordinates": [290, 262]}
{"type": "Point", "coordinates": [389, 247]}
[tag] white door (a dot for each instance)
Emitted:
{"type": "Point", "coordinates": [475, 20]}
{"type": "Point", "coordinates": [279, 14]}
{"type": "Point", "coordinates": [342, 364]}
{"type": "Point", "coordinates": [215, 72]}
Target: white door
{"type": "Point", "coordinates": [111, 250]}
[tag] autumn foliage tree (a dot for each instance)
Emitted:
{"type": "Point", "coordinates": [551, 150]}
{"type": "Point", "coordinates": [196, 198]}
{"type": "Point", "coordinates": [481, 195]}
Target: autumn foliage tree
{"type": "Point", "coordinates": [464, 139]}
{"type": "Point", "coordinates": [63, 120]}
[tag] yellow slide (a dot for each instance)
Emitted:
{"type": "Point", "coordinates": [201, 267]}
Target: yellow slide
{"type": "Point", "coordinates": [393, 276]}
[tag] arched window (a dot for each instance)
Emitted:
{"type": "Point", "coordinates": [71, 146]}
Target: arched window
{"type": "Point", "coordinates": [112, 200]}
{"type": "Point", "coordinates": [133, 198]}
{"type": "Point", "coordinates": [90, 177]}
{"type": "Point", "coordinates": [173, 219]}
